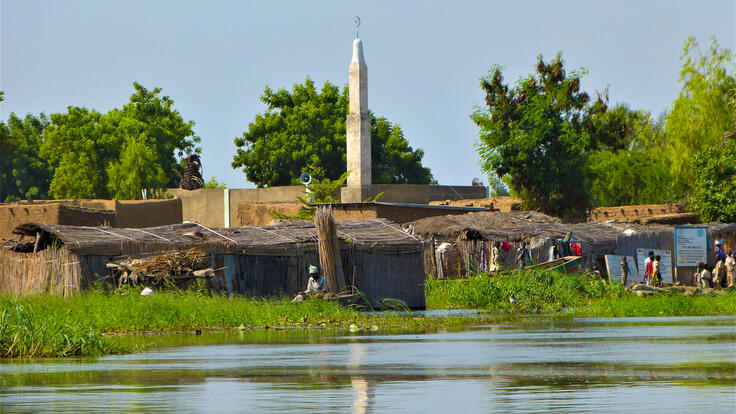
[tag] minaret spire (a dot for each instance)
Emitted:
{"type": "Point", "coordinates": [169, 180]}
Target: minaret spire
{"type": "Point", "coordinates": [358, 123]}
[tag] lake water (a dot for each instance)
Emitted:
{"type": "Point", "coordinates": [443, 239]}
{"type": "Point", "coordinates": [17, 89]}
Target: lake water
{"type": "Point", "coordinates": [639, 365]}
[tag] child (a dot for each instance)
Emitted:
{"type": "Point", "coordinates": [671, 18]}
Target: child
{"type": "Point", "coordinates": [656, 275]}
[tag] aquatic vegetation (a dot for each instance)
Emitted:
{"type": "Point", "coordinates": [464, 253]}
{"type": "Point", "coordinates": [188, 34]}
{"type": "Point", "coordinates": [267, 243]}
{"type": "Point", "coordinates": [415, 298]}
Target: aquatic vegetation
{"type": "Point", "coordinates": [577, 295]}
{"type": "Point", "coordinates": [30, 329]}
{"type": "Point", "coordinates": [533, 289]}
{"type": "Point", "coordinates": [88, 323]}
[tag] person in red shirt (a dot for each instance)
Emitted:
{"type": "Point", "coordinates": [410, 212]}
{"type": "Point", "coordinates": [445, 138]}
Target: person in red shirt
{"type": "Point", "coordinates": [649, 269]}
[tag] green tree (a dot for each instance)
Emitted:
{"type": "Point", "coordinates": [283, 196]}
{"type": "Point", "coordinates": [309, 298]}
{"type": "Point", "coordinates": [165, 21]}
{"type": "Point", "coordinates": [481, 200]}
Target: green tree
{"type": "Point", "coordinates": [715, 183]}
{"type": "Point", "coordinates": [303, 130]}
{"type": "Point", "coordinates": [701, 115]}
{"type": "Point", "coordinates": [628, 168]}
{"type": "Point", "coordinates": [539, 132]}
{"type": "Point", "coordinates": [23, 174]}
{"type": "Point", "coordinates": [214, 183]}
{"type": "Point", "coordinates": [629, 177]}
{"type": "Point", "coordinates": [121, 152]}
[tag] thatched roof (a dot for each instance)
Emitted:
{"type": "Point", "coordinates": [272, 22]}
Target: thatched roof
{"type": "Point", "coordinates": [284, 239]}
{"type": "Point", "coordinates": [597, 238]}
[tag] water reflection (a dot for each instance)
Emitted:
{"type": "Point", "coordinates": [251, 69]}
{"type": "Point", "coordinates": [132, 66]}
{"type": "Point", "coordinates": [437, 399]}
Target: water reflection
{"type": "Point", "coordinates": [585, 365]}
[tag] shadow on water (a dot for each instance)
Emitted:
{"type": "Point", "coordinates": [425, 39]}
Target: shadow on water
{"type": "Point", "coordinates": [536, 364]}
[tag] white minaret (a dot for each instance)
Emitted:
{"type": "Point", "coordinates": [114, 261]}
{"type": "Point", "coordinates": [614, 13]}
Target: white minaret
{"type": "Point", "coordinates": [358, 126]}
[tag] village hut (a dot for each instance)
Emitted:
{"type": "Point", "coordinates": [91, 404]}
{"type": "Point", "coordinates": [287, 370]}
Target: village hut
{"type": "Point", "coordinates": [661, 237]}
{"type": "Point", "coordinates": [379, 259]}
{"type": "Point", "coordinates": [460, 245]}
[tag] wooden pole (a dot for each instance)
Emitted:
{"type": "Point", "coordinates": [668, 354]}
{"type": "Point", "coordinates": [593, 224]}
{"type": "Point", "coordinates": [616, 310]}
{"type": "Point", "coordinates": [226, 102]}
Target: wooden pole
{"type": "Point", "coordinates": [329, 251]}
{"type": "Point", "coordinates": [38, 242]}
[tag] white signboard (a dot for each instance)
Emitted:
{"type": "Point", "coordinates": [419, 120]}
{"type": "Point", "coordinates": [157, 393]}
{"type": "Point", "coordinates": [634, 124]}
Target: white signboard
{"type": "Point", "coordinates": [613, 266]}
{"type": "Point", "coordinates": [665, 264]}
{"type": "Point", "coordinates": [691, 246]}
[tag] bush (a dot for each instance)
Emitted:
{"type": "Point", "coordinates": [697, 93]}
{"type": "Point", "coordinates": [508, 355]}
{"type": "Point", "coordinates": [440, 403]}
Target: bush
{"type": "Point", "coordinates": [715, 183]}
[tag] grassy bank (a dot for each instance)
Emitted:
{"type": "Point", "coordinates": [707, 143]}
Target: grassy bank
{"type": "Point", "coordinates": [582, 295]}
{"type": "Point", "coordinates": [86, 324]}
{"type": "Point", "coordinates": [89, 323]}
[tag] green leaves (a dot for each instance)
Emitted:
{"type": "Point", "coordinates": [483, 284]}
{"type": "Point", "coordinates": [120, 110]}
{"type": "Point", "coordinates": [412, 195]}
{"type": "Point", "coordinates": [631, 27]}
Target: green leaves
{"type": "Point", "coordinates": [538, 133]}
{"type": "Point", "coordinates": [303, 130]}
{"type": "Point", "coordinates": [702, 113]}
{"type": "Point", "coordinates": [715, 183]}
{"type": "Point", "coordinates": [118, 154]}
{"type": "Point", "coordinates": [23, 174]}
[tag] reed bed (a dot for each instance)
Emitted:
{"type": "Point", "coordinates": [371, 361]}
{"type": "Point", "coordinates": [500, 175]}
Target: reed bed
{"type": "Point", "coordinates": [574, 295]}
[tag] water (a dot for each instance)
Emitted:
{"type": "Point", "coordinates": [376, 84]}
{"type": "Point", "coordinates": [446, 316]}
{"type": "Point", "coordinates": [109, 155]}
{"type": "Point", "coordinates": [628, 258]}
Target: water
{"type": "Point", "coordinates": [628, 365]}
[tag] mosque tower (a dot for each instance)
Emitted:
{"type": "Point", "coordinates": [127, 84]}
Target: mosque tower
{"type": "Point", "coordinates": [358, 127]}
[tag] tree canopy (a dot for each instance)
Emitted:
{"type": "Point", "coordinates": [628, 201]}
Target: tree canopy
{"type": "Point", "coordinates": [701, 114]}
{"type": "Point", "coordinates": [715, 183]}
{"type": "Point", "coordinates": [23, 174]}
{"type": "Point", "coordinates": [117, 154]}
{"type": "Point", "coordinates": [537, 133]}
{"type": "Point", "coordinates": [303, 130]}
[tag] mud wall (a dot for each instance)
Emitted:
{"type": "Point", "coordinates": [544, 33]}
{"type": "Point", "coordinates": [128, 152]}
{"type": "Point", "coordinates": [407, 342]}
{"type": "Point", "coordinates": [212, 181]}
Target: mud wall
{"type": "Point", "coordinates": [148, 213]}
{"type": "Point", "coordinates": [13, 215]}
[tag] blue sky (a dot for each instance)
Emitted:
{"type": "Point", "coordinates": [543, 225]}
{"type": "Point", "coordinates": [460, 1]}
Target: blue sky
{"type": "Point", "coordinates": [424, 58]}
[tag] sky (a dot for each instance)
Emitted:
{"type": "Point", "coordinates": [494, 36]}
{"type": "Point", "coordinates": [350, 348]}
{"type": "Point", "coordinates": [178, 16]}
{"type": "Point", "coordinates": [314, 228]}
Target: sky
{"type": "Point", "coordinates": [425, 59]}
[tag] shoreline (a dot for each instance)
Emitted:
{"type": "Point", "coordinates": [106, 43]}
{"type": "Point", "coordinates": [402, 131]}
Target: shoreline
{"type": "Point", "coordinates": [91, 323]}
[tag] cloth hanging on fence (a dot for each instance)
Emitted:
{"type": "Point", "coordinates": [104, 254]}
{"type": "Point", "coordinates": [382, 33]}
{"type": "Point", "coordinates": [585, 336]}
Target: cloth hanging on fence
{"type": "Point", "coordinates": [576, 249]}
{"type": "Point", "coordinates": [484, 264]}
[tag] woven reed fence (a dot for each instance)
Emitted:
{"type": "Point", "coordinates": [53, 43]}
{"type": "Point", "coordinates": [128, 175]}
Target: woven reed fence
{"type": "Point", "coordinates": [49, 271]}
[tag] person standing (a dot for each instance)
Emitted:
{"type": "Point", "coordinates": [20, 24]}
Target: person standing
{"type": "Point", "coordinates": [523, 255]}
{"type": "Point", "coordinates": [649, 268]}
{"type": "Point", "coordinates": [656, 275]}
{"type": "Point", "coordinates": [731, 269]}
{"type": "Point", "coordinates": [624, 270]}
{"type": "Point", "coordinates": [495, 257]}
{"type": "Point", "coordinates": [720, 254]}
{"type": "Point", "coordinates": [719, 273]}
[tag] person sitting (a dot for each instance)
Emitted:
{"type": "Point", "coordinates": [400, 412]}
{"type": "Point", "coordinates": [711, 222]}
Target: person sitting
{"type": "Point", "coordinates": [705, 275]}
{"type": "Point", "coordinates": [316, 285]}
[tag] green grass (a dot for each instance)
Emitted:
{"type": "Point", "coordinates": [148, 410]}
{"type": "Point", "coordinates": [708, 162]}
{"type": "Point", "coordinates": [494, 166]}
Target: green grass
{"type": "Point", "coordinates": [578, 295]}
{"type": "Point", "coordinates": [87, 324]}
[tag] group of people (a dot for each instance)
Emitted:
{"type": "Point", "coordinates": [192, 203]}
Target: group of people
{"type": "Point", "coordinates": [721, 275]}
{"type": "Point", "coordinates": [652, 272]}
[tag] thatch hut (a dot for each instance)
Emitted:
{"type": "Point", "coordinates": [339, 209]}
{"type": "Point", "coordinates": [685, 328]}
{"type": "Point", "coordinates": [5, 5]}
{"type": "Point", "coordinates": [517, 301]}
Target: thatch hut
{"type": "Point", "coordinates": [468, 239]}
{"type": "Point", "coordinates": [470, 236]}
{"type": "Point", "coordinates": [379, 259]}
{"type": "Point", "coordinates": [662, 238]}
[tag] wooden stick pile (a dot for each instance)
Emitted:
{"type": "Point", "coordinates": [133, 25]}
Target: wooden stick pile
{"type": "Point", "coordinates": [174, 265]}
